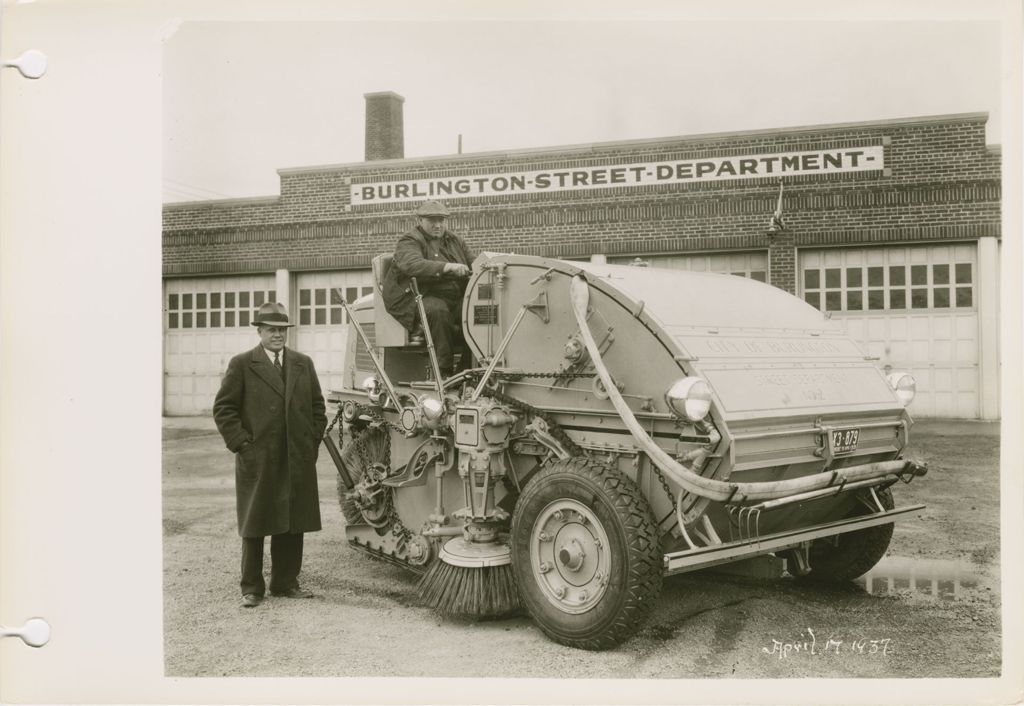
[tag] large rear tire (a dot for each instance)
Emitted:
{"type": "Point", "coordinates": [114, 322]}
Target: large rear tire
{"type": "Point", "coordinates": [585, 553]}
{"type": "Point", "coordinates": [847, 556]}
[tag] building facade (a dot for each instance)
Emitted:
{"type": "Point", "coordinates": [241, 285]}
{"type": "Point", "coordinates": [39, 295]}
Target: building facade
{"type": "Point", "coordinates": [892, 227]}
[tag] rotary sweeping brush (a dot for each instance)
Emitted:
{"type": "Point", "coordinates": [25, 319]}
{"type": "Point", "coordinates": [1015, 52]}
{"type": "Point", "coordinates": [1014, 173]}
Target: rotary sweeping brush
{"type": "Point", "coordinates": [471, 579]}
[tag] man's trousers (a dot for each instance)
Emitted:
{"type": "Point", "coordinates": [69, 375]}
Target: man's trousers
{"type": "Point", "coordinates": [285, 563]}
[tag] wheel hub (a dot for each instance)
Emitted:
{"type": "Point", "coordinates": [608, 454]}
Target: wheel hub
{"type": "Point", "coordinates": [571, 560]}
{"type": "Point", "coordinates": [572, 555]}
{"type": "Point", "coordinates": [475, 555]}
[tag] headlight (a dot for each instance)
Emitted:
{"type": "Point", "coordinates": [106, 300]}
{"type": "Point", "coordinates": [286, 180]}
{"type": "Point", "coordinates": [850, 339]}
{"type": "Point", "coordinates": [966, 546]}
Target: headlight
{"type": "Point", "coordinates": [689, 398]}
{"type": "Point", "coordinates": [904, 385]}
{"type": "Point", "coordinates": [432, 408]}
{"type": "Point", "coordinates": [375, 390]}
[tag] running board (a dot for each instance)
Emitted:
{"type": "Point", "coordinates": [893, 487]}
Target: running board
{"type": "Point", "coordinates": [693, 559]}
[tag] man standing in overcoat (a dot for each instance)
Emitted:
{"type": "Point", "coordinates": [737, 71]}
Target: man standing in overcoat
{"type": "Point", "coordinates": [271, 414]}
{"type": "Point", "coordinates": [439, 260]}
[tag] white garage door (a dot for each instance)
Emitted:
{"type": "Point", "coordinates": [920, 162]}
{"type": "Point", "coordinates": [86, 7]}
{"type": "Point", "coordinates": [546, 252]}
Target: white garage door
{"type": "Point", "coordinates": [206, 323]}
{"type": "Point", "coordinates": [322, 327]}
{"type": "Point", "coordinates": [914, 308]}
{"type": "Point", "coordinates": [745, 264]}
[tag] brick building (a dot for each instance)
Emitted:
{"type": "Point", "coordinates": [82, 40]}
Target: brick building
{"type": "Point", "coordinates": [893, 226]}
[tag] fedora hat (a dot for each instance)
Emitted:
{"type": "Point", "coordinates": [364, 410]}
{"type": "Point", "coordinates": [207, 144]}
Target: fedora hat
{"type": "Point", "coordinates": [271, 314]}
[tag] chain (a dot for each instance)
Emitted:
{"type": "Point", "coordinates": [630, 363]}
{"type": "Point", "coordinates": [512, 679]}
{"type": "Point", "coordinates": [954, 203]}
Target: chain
{"type": "Point", "coordinates": [553, 428]}
{"type": "Point", "coordinates": [337, 418]}
{"type": "Point", "coordinates": [664, 482]}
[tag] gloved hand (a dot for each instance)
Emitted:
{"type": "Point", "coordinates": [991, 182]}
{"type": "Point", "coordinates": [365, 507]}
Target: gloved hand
{"type": "Point", "coordinates": [457, 269]}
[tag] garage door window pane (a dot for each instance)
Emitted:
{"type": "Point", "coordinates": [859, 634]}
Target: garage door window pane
{"type": "Point", "coordinates": [876, 299]}
{"type": "Point", "coordinates": [321, 297]}
{"type": "Point", "coordinates": [833, 301]}
{"type": "Point", "coordinates": [759, 276]}
{"type": "Point", "coordinates": [941, 297]}
{"type": "Point", "coordinates": [897, 299]}
{"type": "Point", "coordinates": [854, 301]}
{"type": "Point", "coordinates": [940, 274]}
{"type": "Point", "coordinates": [812, 279]}
{"type": "Point", "coordinates": [919, 274]}
{"type": "Point", "coordinates": [186, 320]}
{"type": "Point", "coordinates": [201, 300]}
{"type": "Point", "coordinates": [321, 317]}
{"type": "Point", "coordinates": [963, 273]}
{"type": "Point", "coordinates": [304, 317]}
{"type": "Point", "coordinates": [854, 277]}
{"type": "Point", "coordinates": [304, 299]}
{"type": "Point", "coordinates": [257, 298]}
{"type": "Point", "coordinates": [243, 300]}
{"type": "Point", "coordinates": [919, 298]}
{"type": "Point", "coordinates": [876, 276]}
{"type": "Point", "coordinates": [336, 315]}
{"type": "Point", "coordinates": [229, 318]}
{"type": "Point", "coordinates": [832, 278]}
{"type": "Point", "coordinates": [172, 302]}
{"type": "Point", "coordinates": [172, 321]}
{"type": "Point", "coordinates": [813, 298]}
{"type": "Point", "coordinates": [897, 276]}
{"type": "Point", "coordinates": [243, 318]}
{"type": "Point", "coordinates": [201, 319]}
{"type": "Point", "coordinates": [229, 300]}
{"type": "Point", "coordinates": [214, 319]}
{"type": "Point", "coordinates": [186, 301]}
{"type": "Point", "coordinates": [215, 300]}
{"type": "Point", "coordinates": [964, 296]}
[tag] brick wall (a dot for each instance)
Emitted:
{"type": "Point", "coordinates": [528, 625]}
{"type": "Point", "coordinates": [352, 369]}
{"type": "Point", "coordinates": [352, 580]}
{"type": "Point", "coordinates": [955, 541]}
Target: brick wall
{"type": "Point", "coordinates": [941, 183]}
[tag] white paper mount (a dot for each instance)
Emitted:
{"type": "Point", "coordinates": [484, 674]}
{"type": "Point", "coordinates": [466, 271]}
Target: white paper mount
{"type": "Point", "coordinates": [34, 633]}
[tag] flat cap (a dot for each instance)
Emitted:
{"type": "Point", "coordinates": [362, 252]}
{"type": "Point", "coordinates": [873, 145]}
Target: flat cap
{"type": "Point", "coordinates": [432, 208]}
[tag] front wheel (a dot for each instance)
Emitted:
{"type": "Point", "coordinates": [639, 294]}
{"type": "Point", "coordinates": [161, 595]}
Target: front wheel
{"type": "Point", "coordinates": [585, 553]}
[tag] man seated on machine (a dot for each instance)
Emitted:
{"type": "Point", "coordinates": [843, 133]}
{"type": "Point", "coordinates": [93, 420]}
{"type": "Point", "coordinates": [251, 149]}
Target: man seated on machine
{"type": "Point", "coordinates": [439, 260]}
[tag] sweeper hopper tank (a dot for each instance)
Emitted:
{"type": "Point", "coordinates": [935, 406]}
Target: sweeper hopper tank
{"type": "Point", "coordinates": [617, 424]}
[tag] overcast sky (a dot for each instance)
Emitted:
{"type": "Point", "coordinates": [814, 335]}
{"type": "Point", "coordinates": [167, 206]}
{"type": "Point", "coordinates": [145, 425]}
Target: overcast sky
{"type": "Point", "coordinates": [242, 100]}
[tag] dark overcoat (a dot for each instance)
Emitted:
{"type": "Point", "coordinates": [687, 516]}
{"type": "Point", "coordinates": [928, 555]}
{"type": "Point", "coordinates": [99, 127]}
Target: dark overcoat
{"type": "Point", "coordinates": [284, 421]}
{"type": "Point", "coordinates": [419, 256]}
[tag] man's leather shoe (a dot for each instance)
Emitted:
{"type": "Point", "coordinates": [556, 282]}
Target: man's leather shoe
{"type": "Point", "coordinates": [251, 600]}
{"type": "Point", "coordinates": [294, 593]}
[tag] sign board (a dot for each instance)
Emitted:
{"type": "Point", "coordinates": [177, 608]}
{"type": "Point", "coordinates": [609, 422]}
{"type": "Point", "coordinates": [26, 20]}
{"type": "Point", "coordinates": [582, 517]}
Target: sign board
{"type": "Point", "coordinates": [633, 174]}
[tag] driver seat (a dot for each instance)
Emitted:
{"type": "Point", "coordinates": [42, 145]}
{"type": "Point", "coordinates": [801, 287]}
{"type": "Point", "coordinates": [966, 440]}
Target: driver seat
{"type": "Point", "coordinates": [388, 332]}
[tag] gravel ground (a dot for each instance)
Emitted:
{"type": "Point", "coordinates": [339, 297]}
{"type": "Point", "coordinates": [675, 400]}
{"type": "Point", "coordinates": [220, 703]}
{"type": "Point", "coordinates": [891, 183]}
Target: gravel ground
{"type": "Point", "coordinates": [365, 620]}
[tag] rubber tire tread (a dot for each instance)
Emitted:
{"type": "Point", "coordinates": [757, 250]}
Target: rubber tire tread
{"type": "Point", "coordinates": [636, 529]}
{"type": "Point", "coordinates": [856, 552]}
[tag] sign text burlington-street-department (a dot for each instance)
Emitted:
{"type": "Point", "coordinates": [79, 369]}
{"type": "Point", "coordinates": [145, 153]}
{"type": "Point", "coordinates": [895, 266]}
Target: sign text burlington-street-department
{"type": "Point", "coordinates": [860, 159]}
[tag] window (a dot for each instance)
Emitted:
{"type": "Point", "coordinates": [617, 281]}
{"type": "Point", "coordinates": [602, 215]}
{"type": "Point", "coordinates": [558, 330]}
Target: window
{"type": "Point", "coordinates": [321, 306]}
{"type": "Point", "coordinates": [215, 309]}
{"type": "Point", "coordinates": [938, 284]}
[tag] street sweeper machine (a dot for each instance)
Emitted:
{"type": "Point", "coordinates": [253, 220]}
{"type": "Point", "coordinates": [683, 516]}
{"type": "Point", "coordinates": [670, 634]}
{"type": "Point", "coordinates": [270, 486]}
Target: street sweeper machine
{"type": "Point", "coordinates": [616, 424]}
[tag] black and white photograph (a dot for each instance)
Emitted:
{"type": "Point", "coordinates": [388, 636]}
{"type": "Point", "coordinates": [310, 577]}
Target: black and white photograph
{"type": "Point", "coordinates": [567, 353]}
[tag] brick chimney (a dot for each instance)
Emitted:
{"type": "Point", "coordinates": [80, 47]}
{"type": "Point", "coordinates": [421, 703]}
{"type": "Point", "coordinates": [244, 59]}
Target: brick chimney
{"type": "Point", "coordinates": [385, 133]}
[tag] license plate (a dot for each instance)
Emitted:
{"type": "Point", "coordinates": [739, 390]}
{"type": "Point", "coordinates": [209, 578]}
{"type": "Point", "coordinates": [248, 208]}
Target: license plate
{"type": "Point", "coordinates": [844, 440]}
